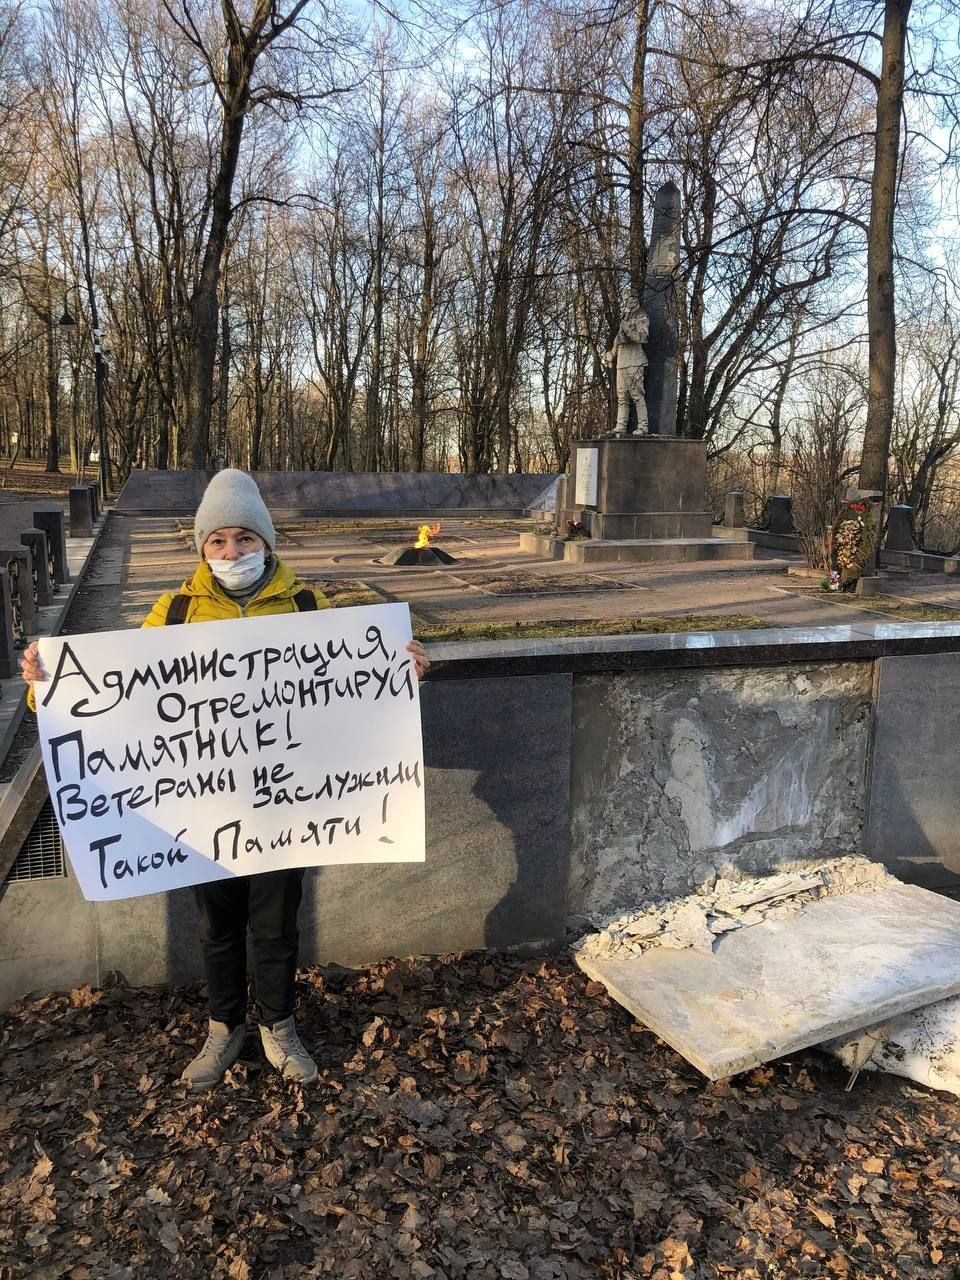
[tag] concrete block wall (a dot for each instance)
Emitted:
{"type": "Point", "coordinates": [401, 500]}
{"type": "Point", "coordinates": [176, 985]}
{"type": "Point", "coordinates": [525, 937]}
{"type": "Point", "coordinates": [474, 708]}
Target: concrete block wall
{"type": "Point", "coordinates": [678, 776]}
{"type": "Point", "coordinates": [566, 778]}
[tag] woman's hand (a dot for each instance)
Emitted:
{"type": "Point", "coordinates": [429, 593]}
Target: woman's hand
{"type": "Point", "coordinates": [31, 667]}
{"type": "Point", "coordinates": [420, 660]}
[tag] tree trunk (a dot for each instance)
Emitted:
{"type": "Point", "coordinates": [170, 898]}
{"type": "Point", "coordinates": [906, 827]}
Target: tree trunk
{"type": "Point", "coordinates": [223, 401]}
{"type": "Point", "coordinates": [696, 382]}
{"type": "Point", "coordinates": [423, 338]}
{"type": "Point", "coordinates": [53, 395]}
{"type": "Point", "coordinates": [373, 444]}
{"type": "Point", "coordinates": [76, 442]}
{"type": "Point", "coordinates": [776, 417]}
{"type": "Point", "coordinates": [202, 334]}
{"type": "Point", "coordinates": [256, 420]}
{"type": "Point", "coordinates": [245, 44]}
{"type": "Point", "coordinates": [881, 310]}
{"type": "Point", "coordinates": [637, 243]}
{"type": "Point", "coordinates": [163, 436]}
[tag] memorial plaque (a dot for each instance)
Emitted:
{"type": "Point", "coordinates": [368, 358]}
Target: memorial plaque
{"type": "Point", "coordinates": [586, 491]}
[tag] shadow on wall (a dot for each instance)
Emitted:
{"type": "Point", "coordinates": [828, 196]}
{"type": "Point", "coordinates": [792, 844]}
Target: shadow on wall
{"type": "Point", "coordinates": [497, 779]}
{"type": "Point", "coordinates": [896, 837]}
{"type": "Point", "coordinates": [498, 803]}
{"type": "Point", "coordinates": [912, 822]}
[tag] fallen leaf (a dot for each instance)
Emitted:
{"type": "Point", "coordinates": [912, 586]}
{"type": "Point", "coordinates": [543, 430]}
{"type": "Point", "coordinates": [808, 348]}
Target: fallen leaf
{"type": "Point", "coordinates": [169, 1237]}
{"type": "Point", "coordinates": [370, 1031]}
{"type": "Point", "coordinates": [514, 1271]}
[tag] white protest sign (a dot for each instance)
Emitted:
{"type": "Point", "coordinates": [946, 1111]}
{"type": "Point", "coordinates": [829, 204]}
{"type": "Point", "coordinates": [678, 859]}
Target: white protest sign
{"type": "Point", "coordinates": [177, 755]}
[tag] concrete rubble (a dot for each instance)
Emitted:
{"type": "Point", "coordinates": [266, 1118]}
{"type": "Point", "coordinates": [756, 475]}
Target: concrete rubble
{"type": "Point", "coordinates": [699, 920]}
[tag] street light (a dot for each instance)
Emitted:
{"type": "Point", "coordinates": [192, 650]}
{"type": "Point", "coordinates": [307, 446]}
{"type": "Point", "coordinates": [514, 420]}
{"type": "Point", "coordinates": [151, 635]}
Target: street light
{"type": "Point", "coordinates": [67, 324]}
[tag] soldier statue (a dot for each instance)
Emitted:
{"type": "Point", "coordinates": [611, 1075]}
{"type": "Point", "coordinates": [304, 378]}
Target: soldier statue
{"type": "Point", "coordinates": [631, 361]}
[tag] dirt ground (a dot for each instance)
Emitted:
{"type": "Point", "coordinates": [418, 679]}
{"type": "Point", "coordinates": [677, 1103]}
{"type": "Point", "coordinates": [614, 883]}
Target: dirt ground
{"type": "Point", "coordinates": [477, 1117]}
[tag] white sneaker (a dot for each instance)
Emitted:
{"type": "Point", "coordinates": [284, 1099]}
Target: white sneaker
{"type": "Point", "coordinates": [282, 1046]}
{"type": "Point", "coordinates": [220, 1051]}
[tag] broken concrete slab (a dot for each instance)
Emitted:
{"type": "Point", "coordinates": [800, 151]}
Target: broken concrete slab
{"type": "Point", "coordinates": [722, 904]}
{"type": "Point", "coordinates": [923, 1045]}
{"type": "Point", "coordinates": [835, 966]}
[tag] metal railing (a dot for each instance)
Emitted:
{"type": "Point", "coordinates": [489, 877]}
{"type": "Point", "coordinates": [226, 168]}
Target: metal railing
{"type": "Point", "coordinates": [14, 568]}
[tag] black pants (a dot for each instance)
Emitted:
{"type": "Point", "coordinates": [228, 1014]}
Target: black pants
{"type": "Point", "coordinates": [268, 903]}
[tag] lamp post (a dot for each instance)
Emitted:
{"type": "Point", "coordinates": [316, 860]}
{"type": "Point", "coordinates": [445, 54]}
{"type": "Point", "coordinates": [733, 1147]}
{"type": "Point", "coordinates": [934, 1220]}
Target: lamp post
{"type": "Point", "coordinates": [67, 325]}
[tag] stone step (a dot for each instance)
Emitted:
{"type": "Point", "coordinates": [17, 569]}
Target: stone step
{"type": "Point", "coordinates": [592, 550]}
{"type": "Point", "coordinates": [732, 535]}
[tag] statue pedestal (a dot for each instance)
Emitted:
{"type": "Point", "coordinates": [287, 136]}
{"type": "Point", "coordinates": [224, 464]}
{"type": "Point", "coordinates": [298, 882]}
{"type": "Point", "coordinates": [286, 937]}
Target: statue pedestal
{"type": "Point", "coordinates": [644, 498]}
{"type": "Point", "coordinates": [641, 487]}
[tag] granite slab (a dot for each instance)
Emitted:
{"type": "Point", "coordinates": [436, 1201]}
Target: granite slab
{"type": "Point", "coordinates": [629, 550]}
{"type": "Point", "coordinates": [763, 646]}
{"type": "Point", "coordinates": [836, 966]}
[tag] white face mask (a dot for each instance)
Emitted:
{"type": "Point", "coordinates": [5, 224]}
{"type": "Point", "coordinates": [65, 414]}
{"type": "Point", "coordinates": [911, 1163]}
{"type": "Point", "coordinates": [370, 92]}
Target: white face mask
{"type": "Point", "coordinates": [237, 574]}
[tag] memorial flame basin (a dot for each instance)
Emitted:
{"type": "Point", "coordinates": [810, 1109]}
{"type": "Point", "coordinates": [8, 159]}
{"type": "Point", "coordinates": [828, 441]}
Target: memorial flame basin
{"type": "Point", "coordinates": [421, 552]}
{"type": "Point", "coordinates": [406, 556]}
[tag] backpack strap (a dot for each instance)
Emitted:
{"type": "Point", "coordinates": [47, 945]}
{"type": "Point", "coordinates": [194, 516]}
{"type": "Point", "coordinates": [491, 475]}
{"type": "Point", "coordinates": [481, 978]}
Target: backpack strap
{"type": "Point", "coordinates": [305, 600]}
{"type": "Point", "coordinates": [177, 612]}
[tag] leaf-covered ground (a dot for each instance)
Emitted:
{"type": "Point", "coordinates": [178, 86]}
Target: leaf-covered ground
{"type": "Point", "coordinates": [28, 478]}
{"type": "Point", "coordinates": [475, 1117]}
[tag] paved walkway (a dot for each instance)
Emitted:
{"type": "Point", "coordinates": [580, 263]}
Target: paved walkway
{"type": "Point", "coordinates": [141, 557]}
{"type": "Point", "coordinates": [942, 589]}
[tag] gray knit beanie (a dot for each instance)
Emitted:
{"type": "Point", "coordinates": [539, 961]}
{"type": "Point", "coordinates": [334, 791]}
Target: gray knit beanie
{"type": "Point", "coordinates": [232, 501]}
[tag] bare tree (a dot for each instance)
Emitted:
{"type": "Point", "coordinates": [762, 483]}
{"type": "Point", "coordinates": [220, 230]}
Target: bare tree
{"type": "Point", "coordinates": [926, 428]}
{"type": "Point", "coordinates": [252, 61]}
{"type": "Point", "coordinates": [822, 449]}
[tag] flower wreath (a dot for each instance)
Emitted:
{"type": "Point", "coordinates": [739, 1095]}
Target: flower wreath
{"type": "Point", "coordinates": [571, 530]}
{"type": "Point", "coordinates": [852, 536]}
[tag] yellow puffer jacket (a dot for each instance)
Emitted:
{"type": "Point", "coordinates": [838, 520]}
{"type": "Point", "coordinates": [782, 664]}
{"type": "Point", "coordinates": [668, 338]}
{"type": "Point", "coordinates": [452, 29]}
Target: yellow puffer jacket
{"type": "Point", "coordinates": [208, 603]}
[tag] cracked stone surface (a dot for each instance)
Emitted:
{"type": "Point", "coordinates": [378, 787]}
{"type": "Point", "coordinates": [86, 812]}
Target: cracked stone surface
{"type": "Point", "coordinates": [681, 776]}
{"type": "Point", "coordinates": [836, 965]}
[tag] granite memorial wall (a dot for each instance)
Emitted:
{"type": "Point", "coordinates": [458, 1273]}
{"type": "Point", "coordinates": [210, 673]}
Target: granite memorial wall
{"type": "Point", "coordinates": [573, 778]}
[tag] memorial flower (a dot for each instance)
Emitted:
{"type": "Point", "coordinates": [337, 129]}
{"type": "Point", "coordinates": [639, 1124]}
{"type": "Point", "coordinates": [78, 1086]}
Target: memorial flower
{"type": "Point", "coordinates": [574, 529]}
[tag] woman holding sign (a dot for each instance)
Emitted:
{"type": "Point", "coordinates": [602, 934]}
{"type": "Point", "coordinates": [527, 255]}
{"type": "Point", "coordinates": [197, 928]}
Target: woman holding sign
{"type": "Point", "coordinates": [240, 577]}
